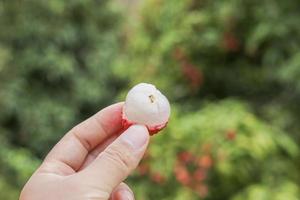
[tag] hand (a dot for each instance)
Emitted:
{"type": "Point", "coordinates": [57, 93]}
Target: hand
{"type": "Point", "coordinates": [90, 161]}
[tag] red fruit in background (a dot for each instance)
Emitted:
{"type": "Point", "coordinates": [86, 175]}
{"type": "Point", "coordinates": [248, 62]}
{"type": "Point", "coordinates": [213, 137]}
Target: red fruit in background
{"type": "Point", "coordinates": [199, 175]}
{"type": "Point", "coordinates": [230, 135]}
{"type": "Point", "coordinates": [185, 157]}
{"type": "Point", "coordinates": [182, 175]}
{"type": "Point", "coordinates": [230, 42]}
{"type": "Point", "coordinates": [158, 178]}
{"type": "Point", "coordinates": [192, 74]}
{"type": "Point", "coordinates": [205, 161]}
{"type": "Point", "coordinates": [202, 190]}
{"type": "Point", "coordinates": [143, 169]}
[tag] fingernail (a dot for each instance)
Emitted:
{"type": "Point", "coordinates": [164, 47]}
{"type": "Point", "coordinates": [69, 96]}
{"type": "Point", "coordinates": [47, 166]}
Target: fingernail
{"type": "Point", "coordinates": [123, 194]}
{"type": "Point", "coordinates": [126, 195]}
{"type": "Point", "coordinates": [136, 136]}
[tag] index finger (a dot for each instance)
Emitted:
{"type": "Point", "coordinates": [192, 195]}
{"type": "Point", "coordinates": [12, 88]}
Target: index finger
{"type": "Point", "coordinates": [69, 153]}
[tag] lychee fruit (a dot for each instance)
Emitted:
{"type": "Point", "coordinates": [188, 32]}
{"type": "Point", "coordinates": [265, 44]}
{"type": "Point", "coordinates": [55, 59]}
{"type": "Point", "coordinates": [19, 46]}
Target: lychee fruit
{"type": "Point", "coordinates": [146, 105]}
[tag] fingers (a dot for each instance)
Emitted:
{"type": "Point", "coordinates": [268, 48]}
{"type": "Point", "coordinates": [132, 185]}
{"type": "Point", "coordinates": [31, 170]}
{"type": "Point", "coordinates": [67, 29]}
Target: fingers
{"type": "Point", "coordinates": [95, 152]}
{"type": "Point", "coordinates": [122, 192]}
{"type": "Point", "coordinates": [70, 152]}
{"type": "Point", "coordinates": [116, 162]}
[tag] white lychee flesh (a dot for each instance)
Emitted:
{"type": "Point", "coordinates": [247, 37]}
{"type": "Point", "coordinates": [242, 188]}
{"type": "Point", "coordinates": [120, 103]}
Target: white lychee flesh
{"type": "Point", "coordinates": [146, 105]}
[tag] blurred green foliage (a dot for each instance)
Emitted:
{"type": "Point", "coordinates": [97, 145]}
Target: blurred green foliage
{"type": "Point", "coordinates": [55, 70]}
{"type": "Point", "coordinates": [231, 70]}
{"type": "Point", "coordinates": [56, 59]}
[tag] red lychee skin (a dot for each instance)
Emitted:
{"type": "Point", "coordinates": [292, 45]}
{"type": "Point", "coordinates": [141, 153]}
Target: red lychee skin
{"type": "Point", "coordinates": [152, 129]}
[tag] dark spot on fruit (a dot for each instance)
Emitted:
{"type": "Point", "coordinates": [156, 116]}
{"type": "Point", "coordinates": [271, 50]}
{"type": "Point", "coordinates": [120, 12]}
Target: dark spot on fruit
{"type": "Point", "coordinates": [151, 97]}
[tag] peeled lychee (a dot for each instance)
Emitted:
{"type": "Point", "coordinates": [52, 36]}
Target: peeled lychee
{"type": "Point", "coordinates": [147, 106]}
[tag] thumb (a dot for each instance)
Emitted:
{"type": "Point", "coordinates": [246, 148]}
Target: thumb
{"type": "Point", "coordinates": [116, 162]}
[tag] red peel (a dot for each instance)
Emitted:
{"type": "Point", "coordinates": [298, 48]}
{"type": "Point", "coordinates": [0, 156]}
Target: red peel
{"type": "Point", "coordinates": [152, 129]}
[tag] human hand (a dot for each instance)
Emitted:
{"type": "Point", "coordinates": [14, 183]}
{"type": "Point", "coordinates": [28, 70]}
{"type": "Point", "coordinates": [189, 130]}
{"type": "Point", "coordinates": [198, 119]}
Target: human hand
{"type": "Point", "coordinates": [90, 161]}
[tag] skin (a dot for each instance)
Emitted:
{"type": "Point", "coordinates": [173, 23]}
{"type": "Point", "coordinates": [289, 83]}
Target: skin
{"type": "Point", "coordinates": [90, 161]}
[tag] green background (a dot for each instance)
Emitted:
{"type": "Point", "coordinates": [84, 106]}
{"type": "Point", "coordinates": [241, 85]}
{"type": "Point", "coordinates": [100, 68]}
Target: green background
{"type": "Point", "coordinates": [230, 68]}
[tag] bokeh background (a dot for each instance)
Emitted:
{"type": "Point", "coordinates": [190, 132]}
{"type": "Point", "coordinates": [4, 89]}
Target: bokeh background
{"type": "Point", "coordinates": [230, 68]}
